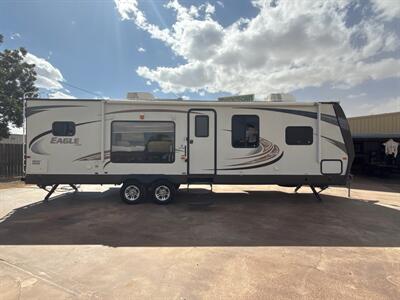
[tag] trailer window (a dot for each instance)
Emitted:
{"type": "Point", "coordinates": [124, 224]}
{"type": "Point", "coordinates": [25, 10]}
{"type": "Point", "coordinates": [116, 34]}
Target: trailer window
{"type": "Point", "coordinates": [142, 142]}
{"type": "Point", "coordinates": [299, 135]}
{"type": "Point", "coordinates": [63, 129]}
{"type": "Point", "coordinates": [201, 126]}
{"type": "Point", "coordinates": [245, 131]}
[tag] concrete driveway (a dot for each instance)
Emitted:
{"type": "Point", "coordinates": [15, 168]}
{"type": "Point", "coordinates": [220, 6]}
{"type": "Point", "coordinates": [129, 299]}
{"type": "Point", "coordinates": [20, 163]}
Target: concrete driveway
{"type": "Point", "coordinates": [237, 242]}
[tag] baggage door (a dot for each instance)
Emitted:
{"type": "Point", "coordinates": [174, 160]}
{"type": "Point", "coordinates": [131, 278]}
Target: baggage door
{"type": "Point", "coordinates": [201, 141]}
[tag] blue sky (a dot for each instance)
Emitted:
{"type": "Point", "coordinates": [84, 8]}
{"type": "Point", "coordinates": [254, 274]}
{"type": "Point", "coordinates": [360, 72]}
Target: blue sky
{"type": "Point", "coordinates": [328, 50]}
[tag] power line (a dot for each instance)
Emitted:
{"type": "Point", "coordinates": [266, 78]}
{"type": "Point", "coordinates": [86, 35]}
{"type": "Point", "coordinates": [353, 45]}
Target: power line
{"type": "Point", "coordinates": [81, 89]}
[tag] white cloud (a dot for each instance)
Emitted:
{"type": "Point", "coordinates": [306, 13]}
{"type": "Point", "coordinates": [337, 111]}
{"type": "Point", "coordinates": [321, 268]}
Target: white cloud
{"type": "Point", "coordinates": [15, 35]}
{"type": "Point", "coordinates": [220, 3]}
{"type": "Point", "coordinates": [61, 95]}
{"type": "Point", "coordinates": [193, 76]}
{"type": "Point", "coordinates": [387, 9]}
{"type": "Point", "coordinates": [208, 8]}
{"type": "Point", "coordinates": [352, 96]}
{"type": "Point", "coordinates": [364, 107]}
{"type": "Point", "coordinates": [141, 49]}
{"type": "Point", "coordinates": [128, 9]}
{"type": "Point", "coordinates": [389, 105]}
{"type": "Point", "coordinates": [15, 130]}
{"type": "Point", "coordinates": [48, 77]}
{"type": "Point", "coordinates": [294, 45]}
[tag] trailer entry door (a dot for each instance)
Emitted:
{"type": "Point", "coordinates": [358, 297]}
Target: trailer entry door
{"type": "Point", "coordinates": [201, 141]}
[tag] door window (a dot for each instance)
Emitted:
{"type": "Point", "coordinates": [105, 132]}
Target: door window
{"type": "Point", "coordinates": [201, 126]}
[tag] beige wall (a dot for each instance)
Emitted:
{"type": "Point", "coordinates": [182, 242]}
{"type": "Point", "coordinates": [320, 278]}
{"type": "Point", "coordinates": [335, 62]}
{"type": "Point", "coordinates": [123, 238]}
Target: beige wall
{"type": "Point", "coordinates": [376, 124]}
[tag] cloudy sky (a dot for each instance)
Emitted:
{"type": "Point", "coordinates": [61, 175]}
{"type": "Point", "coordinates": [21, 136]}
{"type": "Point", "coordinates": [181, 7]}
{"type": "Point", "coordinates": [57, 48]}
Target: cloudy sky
{"type": "Point", "coordinates": [317, 50]}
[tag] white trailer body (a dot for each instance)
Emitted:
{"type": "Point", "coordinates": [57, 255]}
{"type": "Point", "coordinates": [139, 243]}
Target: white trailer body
{"type": "Point", "coordinates": [113, 141]}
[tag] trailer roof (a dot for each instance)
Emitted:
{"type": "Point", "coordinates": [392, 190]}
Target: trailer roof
{"type": "Point", "coordinates": [190, 102]}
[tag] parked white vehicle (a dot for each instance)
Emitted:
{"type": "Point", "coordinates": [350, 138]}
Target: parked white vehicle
{"type": "Point", "coordinates": [152, 146]}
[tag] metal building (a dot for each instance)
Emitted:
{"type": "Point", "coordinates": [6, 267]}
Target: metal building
{"type": "Point", "coordinates": [376, 125]}
{"type": "Point", "coordinates": [12, 139]}
{"type": "Point", "coordinates": [370, 134]}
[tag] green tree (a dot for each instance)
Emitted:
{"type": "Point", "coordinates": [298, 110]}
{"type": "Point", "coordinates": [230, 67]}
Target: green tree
{"type": "Point", "coordinates": [17, 77]}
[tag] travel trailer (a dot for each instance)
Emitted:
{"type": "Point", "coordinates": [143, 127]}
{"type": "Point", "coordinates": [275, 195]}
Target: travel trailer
{"type": "Point", "coordinates": [151, 146]}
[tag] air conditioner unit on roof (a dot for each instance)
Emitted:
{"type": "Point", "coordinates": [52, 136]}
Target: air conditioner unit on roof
{"type": "Point", "coordinates": [280, 97]}
{"type": "Point", "coordinates": [139, 96]}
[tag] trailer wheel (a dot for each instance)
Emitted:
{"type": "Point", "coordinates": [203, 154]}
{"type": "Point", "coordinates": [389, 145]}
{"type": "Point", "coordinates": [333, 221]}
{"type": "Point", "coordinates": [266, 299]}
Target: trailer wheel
{"type": "Point", "coordinates": [132, 192]}
{"type": "Point", "coordinates": [163, 192]}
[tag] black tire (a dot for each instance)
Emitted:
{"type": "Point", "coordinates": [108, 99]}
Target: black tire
{"type": "Point", "coordinates": [132, 192]}
{"type": "Point", "coordinates": [162, 192]}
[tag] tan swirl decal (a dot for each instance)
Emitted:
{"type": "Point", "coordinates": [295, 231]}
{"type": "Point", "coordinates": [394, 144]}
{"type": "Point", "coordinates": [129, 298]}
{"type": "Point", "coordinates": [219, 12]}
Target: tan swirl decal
{"type": "Point", "coordinates": [266, 153]}
{"type": "Point", "coordinates": [94, 156]}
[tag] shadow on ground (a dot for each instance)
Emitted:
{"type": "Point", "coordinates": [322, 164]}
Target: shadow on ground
{"type": "Point", "coordinates": [377, 184]}
{"type": "Point", "coordinates": [204, 219]}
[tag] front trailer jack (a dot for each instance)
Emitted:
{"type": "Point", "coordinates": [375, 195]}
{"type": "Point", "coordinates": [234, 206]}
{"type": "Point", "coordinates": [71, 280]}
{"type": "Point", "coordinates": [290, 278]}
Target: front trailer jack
{"type": "Point", "coordinates": [53, 189]}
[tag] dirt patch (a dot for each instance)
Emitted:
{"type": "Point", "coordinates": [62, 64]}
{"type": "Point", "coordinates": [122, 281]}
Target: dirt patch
{"type": "Point", "coordinates": [13, 184]}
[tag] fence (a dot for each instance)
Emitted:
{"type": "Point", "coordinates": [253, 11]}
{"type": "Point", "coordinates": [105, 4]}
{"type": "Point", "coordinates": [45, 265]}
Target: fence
{"type": "Point", "coordinates": [10, 160]}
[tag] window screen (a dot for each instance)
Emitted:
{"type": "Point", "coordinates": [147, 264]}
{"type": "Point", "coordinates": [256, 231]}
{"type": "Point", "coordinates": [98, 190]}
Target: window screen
{"type": "Point", "coordinates": [63, 129]}
{"type": "Point", "coordinates": [201, 126]}
{"type": "Point", "coordinates": [245, 131]}
{"type": "Point", "coordinates": [299, 135]}
{"type": "Point", "coordinates": [142, 142]}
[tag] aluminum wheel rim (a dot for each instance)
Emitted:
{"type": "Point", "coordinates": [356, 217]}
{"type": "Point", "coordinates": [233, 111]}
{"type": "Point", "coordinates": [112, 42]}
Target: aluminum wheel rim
{"type": "Point", "coordinates": [162, 193]}
{"type": "Point", "coordinates": [132, 193]}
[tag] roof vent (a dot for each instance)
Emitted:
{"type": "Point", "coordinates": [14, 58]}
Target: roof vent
{"type": "Point", "coordinates": [139, 96]}
{"type": "Point", "coordinates": [280, 97]}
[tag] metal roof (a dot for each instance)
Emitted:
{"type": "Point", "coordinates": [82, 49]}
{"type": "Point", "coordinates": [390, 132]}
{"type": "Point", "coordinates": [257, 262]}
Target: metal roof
{"type": "Point", "coordinates": [380, 125]}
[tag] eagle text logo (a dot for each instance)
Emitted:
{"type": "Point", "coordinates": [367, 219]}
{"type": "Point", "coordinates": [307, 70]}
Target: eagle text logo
{"type": "Point", "coordinates": [65, 141]}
